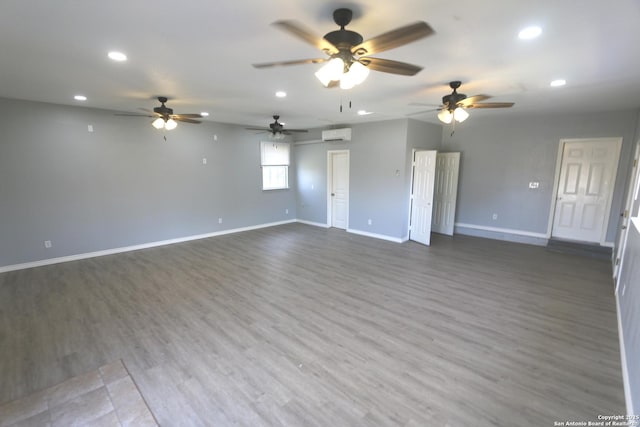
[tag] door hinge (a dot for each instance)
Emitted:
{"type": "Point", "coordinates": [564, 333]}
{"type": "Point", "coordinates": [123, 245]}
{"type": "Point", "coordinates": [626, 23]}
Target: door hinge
{"type": "Point", "coordinates": [617, 261]}
{"type": "Point", "coordinates": [635, 162]}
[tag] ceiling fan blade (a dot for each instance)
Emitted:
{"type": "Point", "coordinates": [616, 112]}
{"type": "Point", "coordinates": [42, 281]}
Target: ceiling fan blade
{"type": "Point", "coordinates": [259, 129]}
{"type": "Point", "coordinates": [189, 116]}
{"type": "Point", "coordinates": [417, 113]}
{"type": "Point", "coordinates": [394, 38]}
{"type": "Point", "coordinates": [473, 99]}
{"type": "Point", "coordinates": [294, 62]}
{"type": "Point", "coordinates": [389, 66]}
{"type": "Point", "coordinates": [184, 119]}
{"type": "Point", "coordinates": [296, 29]}
{"type": "Point", "coordinates": [422, 104]}
{"type": "Point", "coordinates": [295, 131]}
{"type": "Point", "coordinates": [491, 105]}
{"type": "Point", "coordinates": [135, 115]}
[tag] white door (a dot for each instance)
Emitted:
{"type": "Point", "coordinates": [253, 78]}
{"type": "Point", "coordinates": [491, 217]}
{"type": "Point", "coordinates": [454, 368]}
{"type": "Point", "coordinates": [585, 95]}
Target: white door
{"type": "Point", "coordinates": [585, 188]}
{"type": "Point", "coordinates": [338, 203]}
{"type": "Point", "coordinates": [445, 193]}
{"type": "Point", "coordinates": [424, 170]}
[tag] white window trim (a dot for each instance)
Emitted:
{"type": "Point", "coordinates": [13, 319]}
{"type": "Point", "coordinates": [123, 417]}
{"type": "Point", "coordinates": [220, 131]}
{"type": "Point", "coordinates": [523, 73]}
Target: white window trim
{"type": "Point", "coordinates": [272, 159]}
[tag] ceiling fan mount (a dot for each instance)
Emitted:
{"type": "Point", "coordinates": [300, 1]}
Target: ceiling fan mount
{"type": "Point", "coordinates": [343, 39]}
{"type": "Point", "coordinates": [450, 101]}
{"type": "Point", "coordinates": [163, 110]}
{"type": "Point", "coordinates": [276, 126]}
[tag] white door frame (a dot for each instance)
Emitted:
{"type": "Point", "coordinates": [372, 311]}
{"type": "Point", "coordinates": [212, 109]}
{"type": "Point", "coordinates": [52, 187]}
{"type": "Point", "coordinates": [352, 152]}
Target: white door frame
{"type": "Point", "coordinates": [632, 193]}
{"type": "Point", "coordinates": [556, 182]}
{"type": "Point", "coordinates": [330, 154]}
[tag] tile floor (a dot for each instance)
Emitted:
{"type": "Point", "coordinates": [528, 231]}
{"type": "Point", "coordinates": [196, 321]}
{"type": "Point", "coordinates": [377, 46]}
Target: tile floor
{"type": "Point", "coordinates": [104, 397]}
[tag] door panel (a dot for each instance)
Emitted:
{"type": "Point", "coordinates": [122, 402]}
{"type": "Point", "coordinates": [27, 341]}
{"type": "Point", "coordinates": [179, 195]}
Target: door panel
{"type": "Point", "coordinates": [339, 189]}
{"type": "Point", "coordinates": [445, 193]}
{"type": "Point", "coordinates": [587, 175]}
{"type": "Point", "coordinates": [422, 196]}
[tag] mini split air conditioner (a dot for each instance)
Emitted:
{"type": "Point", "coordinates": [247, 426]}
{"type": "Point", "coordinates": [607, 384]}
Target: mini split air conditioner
{"type": "Point", "coordinates": [337, 134]}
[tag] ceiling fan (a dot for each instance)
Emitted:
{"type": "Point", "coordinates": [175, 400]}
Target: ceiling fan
{"type": "Point", "coordinates": [349, 62]}
{"type": "Point", "coordinates": [164, 117]}
{"type": "Point", "coordinates": [277, 129]}
{"type": "Point", "coordinates": [454, 105]}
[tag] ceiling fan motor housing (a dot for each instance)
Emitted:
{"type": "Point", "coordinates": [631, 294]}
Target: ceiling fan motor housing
{"type": "Point", "coordinates": [343, 39]}
{"type": "Point", "coordinates": [452, 100]}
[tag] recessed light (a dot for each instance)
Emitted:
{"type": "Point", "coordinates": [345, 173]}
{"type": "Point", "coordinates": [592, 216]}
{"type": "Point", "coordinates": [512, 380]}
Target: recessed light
{"type": "Point", "coordinates": [80, 98]}
{"type": "Point", "coordinates": [558, 82]}
{"type": "Point", "coordinates": [530, 33]}
{"type": "Point", "coordinates": [117, 56]}
{"type": "Point", "coordinates": [204, 114]}
{"type": "Point", "coordinates": [364, 112]}
{"type": "Point", "coordinates": [281, 94]}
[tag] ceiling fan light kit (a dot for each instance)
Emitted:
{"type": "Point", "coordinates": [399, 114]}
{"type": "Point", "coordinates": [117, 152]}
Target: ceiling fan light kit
{"type": "Point", "coordinates": [331, 71]}
{"type": "Point", "coordinates": [161, 123]}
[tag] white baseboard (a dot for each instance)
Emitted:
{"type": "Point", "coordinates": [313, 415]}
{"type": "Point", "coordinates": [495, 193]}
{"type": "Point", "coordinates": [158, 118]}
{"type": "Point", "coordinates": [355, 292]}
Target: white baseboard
{"type": "Point", "coordinates": [505, 234]}
{"type": "Point", "coordinates": [503, 230]}
{"type": "Point", "coordinates": [77, 257]}
{"type": "Point", "coordinates": [374, 235]}
{"type": "Point", "coordinates": [623, 360]}
{"type": "Point", "coordinates": [315, 224]}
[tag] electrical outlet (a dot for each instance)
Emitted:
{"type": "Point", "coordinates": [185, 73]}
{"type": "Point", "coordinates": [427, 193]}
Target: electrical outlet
{"type": "Point", "coordinates": [215, 137]}
{"type": "Point", "coordinates": [90, 128]}
{"type": "Point", "coordinates": [47, 244]}
{"type": "Point", "coordinates": [369, 221]}
{"type": "Point", "coordinates": [534, 184]}
{"type": "Point", "coordinates": [286, 211]}
{"type": "Point", "coordinates": [494, 216]}
{"type": "Point", "coordinates": [204, 160]}
{"type": "Point", "coordinates": [219, 220]}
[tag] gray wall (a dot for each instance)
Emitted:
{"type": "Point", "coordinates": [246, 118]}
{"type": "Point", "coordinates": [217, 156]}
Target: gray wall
{"type": "Point", "coordinates": [502, 155]}
{"type": "Point", "coordinates": [122, 184]}
{"type": "Point", "coordinates": [380, 161]}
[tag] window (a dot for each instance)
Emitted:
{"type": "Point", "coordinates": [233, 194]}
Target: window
{"type": "Point", "coordinates": [275, 165]}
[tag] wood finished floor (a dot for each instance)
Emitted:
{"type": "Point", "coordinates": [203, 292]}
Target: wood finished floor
{"type": "Point", "coordinates": [303, 326]}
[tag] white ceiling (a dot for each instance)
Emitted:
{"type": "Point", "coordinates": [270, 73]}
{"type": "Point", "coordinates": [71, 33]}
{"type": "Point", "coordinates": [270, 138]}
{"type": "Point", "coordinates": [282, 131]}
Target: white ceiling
{"type": "Point", "coordinates": [199, 54]}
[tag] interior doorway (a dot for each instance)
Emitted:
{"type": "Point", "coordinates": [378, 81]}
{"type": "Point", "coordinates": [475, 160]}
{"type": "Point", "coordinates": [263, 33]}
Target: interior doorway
{"type": "Point", "coordinates": [338, 189]}
{"type": "Point", "coordinates": [585, 189]}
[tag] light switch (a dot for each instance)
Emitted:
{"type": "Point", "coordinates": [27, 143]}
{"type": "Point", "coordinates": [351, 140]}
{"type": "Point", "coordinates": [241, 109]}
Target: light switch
{"type": "Point", "coordinates": [534, 184]}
